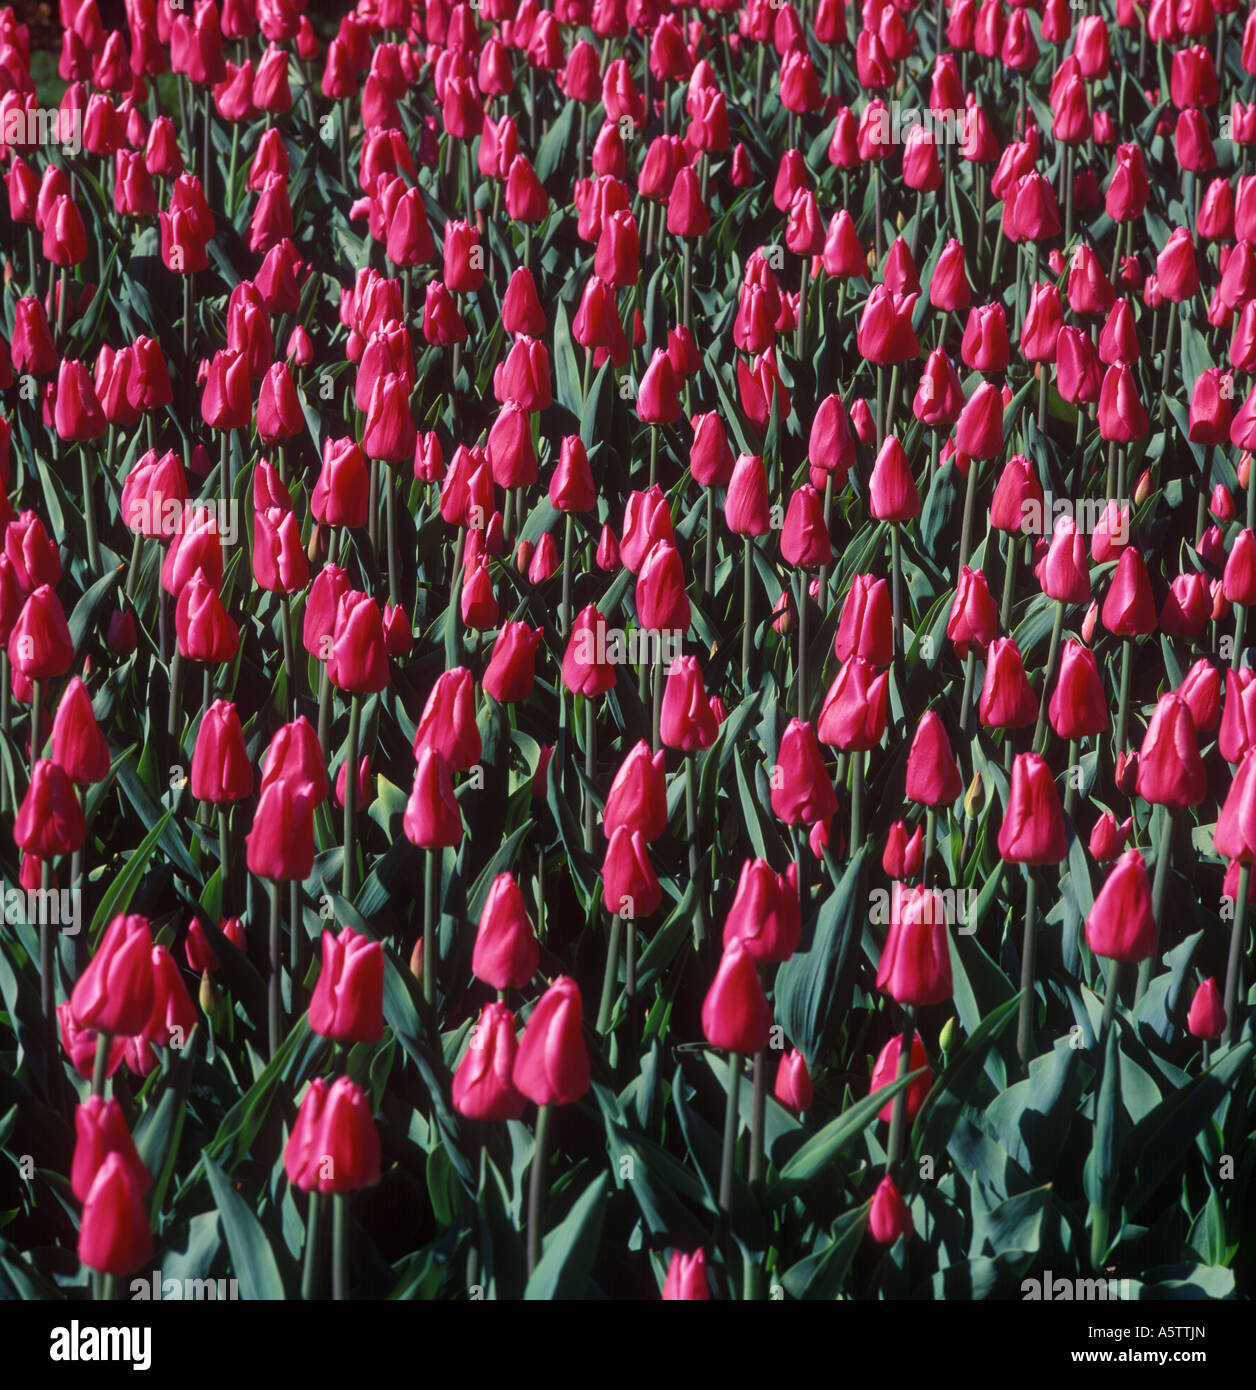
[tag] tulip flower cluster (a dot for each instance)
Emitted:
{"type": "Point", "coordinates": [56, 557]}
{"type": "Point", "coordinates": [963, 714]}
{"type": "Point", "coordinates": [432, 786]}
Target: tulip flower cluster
{"type": "Point", "coordinates": [604, 637]}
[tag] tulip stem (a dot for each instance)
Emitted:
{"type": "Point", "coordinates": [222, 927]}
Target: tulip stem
{"type": "Point", "coordinates": [429, 926]}
{"type": "Point", "coordinates": [590, 772]}
{"type": "Point", "coordinates": [896, 596]}
{"type": "Point", "coordinates": [609, 976]}
{"type": "Point", "coordinates": [351, 797]}
{"type": "Point", "coordinates": [1159, 884]}
{"type": "Point", "coordinates": [62, 295]}
{"type": "Point", "coordinates": [1009, 580]}
{"type": "Point", "coordinates": [730, 1135]}
{"type": "Point", "coordinates": [823, 589]}
{"type": "Point", "coordinates": [224, 858]}
{"type": "Point", "coordinates": [691, 834]}
{"type": "Point", "coordinates": [309, 1263]}
{"type": "Point", "coordinates": [708, 572]}
{"type": "Point", "coordinates": [324, 708]}
{"type": "Point", "coordinates": [758, 1109]}
{"type": "Point", "coordinates": [687, 284]}
{"type": "Point", "coordinates": [536, 1186]}
{"type": "Point", "coordinates": [1070, 781]}
{"type": "Point", "coordinates": [970, 662]}
{"type": "Point", "coordinates": [1111, 992]}
{"type": "Point", "coordinates": [856, 801]}
{"type": "Point", "coordinates": [390, 521]}
{"type": "Point", "coordinates": [747, 608]}
{"type": "Point", "coordinates": [176, 693]}
{"type": "Point", "coordinates": [89, 513]}
{"type": "Point", "coordinates": [1168, 361]}
{"type": "Point", "coordinates": [931, 835]}
{"type": "Point", "coordinates": [966, 529]}
{"type": "Point", "coordinates": [1053, 650]}
{"type": "Point", "coordinates": [654, 453]}
{"type": "Point", "coordinates": [37, 707]}
{"type": "Point", "coordinates": [802, 644]}
{"type": "Point", "coordinates": [289, 663]}
{"type": "Point", "coordinates": [1123, 700]}
{"type": "Point", "coordinates": [274, 999]}
{"type": "Point", "coordinates": [800, 336]}
{"type": "Point", "coordinates": [568, 537]}
{"type": "Point", "coordinates": [340, 1245]}
{"type": "Point", "coordinates": [47, 986]}
{"type": "Point", "coordinates": [1025, 1024]}
{"type": "Point", "coordinates": [1240, 624]}
{"type": "Point", "coordinates": [372, 507]}
{"type": "Point", "coordinates": [1234, 964]}
{"type": "Point", "coordinates": [898, 1116]}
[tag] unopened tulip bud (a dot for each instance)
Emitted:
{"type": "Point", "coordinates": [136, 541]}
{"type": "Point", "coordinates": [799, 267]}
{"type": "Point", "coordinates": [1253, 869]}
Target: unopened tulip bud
{"type": "Point", "coordinates": [975, 796]}
{"type": "Point", "coordinates": [208, 995]}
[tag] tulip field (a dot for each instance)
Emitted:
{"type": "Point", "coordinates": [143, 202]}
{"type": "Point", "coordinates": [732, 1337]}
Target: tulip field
{"type": "Point", "coordinates": [626, 660]}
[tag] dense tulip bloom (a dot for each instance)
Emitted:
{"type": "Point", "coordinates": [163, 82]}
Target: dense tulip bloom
{"type": "Point", "coordinates": [221, 770]}
{"type": "Point", "coordinates": [78, 746]}
{"type": "Point", "coordinates": [1033, 826]}
{"type": "Point", "coordinates": [630, 887]}
{"type": "Point", "coordinates": [888, 1217]}
{"type": "Point", "coordinates": [892, 488]}
{"type": "Point", "coordinates": [686, 1278]}
{"type": "Point", "coordinates": [1234, 834]}
{"type": "Point", "coordinates": [647, 520]}
{"type": "Point", "coordinates": [802, 789]}
{"type": "Point", "coordinates": [552, 1063]}
{"type": "Point", "coordinates": [903, 854]}
{"type": "Point", "coordinates": [50, 819]}
{"type": "Point", "coordinates": [685, 718]}
{"type": "Point", "coordinates": [1122, 417]}
{"type": "Point", "coordinates": [280, 845]}
{"type": "Point", "coordinates": [974, 616]}
{"type": "Point", "coordinates": [114, 1234]}
{"type": "Point", "coordinates": [1077, 708]}
{"type": "Point", "coordinates": [294, 753]}
{"type": "Point", "coordinates": [932, 773]}
{"type": "Point", "coordinates": [340, 495]}
{"type": "Point", "coordinates": [40, 646]}
{"type": "Point", "coordinates": [885, 334]}
{"type": "Point", "coordinates": [334, 1145]}
{"type": "Point", "coordinates": [746, 501]}
{"type": "Point", "coordinates": [100, 1130]}
{"type": "Point", "coordinates": [765, 915]}
{"type": "Point", "coordinates": [1170, 770]}
{"type": "Point", "coordinates": [1206, 1017]}
{"type": "Point", "coordinates": [1238, 716]}
{"type": "Point", "coordinates": [1063, 571]}
{"type": "Point", "coordinates": [1108, 836]}
{"type": "Point", "coordinates": [979, 429]}
{"type": "Point", "coordinates": [1129, 610]}
{"type": "Point", "coordinates": [204, 630]}
{"type": "Point", "coordinates": [506, 953]}
{"type": "Point", "coordinates": [172, 1018]}
{"type": "Point", "coordinates": [347, 1005]}
{"type": "Point", "coordinates": [1121, 924]}
{"type": "Point", "coordinates": [853, 715]}
{"type": "Point", "coordinates": [865, 627]}
{"type": "Point", "coordinates": [483, 1087]}
{"type": "Point", "coordinates": [432, 819]}
{"type": "Point", "coordinates": [793, 1083]}
{"type": "Point", "coordinates": [358, 661]}
{"type": "Point", "coordinates": [1238, 581]}
{"type": "Point", "coordinates": [586, 667]}
{"type": "Point", "coordinates": [735, 1013]}
{"type": "Point", "coordinates": [662, 603]}
{"type": "Point", "coordinates": [915, 964]}
{"type": "Point", "coordinates": [804, 537]}
{"type": "Point", "coordinates": [114, 994]}
{"type": "Point", "coordinates": [511, 671]}
{"type": "Point", "coordinates": [1006, 700]}
{"type": "Point", "coordinates": [885, 1073]}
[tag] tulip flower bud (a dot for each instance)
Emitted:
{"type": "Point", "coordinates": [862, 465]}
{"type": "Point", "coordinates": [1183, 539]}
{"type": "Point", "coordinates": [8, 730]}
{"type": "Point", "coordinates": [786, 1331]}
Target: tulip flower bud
{"type": "Point", "coordinates": [888, 1217]}
{"type": "Point", "coordinates": [686, 1278]}
{"type": "Point", "coordinates": [552, 1063]}
{"type": "Point", "coordinates": [347, 1005]}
